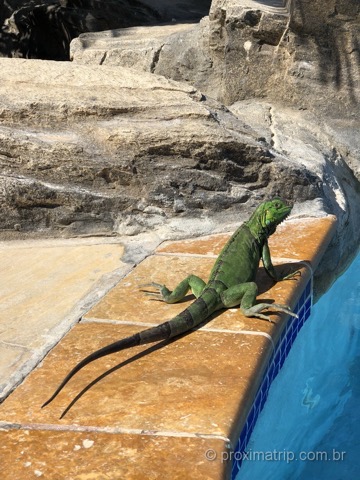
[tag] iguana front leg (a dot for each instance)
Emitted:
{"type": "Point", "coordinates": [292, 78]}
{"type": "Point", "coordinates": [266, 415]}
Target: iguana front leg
{"type": "Point", "coordinates": [192, 282]}
{"type": "Point", "coordinates": [244, 295]}
{"type": "Point", "coordinates": [269, 267]}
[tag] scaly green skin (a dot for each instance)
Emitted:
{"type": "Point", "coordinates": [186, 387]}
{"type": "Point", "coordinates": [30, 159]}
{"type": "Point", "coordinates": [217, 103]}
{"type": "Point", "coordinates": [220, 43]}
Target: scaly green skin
{"type": "Point", "coordinates": [231, 283]}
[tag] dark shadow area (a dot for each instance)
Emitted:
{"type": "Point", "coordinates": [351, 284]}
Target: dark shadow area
{"type": "Point", "coordinates": [44, 29]}
{"type": "Point", "coordinates": [333, 34]}
{"type": "Point", "coordinates": [264, 282]}
{"type": "Point", "coordinates": [180, 11]}
{"type": "Point", "coordinates": [272, 3]}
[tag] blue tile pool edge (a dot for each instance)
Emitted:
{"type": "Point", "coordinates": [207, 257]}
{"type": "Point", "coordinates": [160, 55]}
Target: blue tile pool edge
{"type": "Point", "coordinates": [276, 361]}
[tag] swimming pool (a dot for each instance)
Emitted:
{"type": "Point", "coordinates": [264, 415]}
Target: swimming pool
{"type": "Point", "coordinates": [310, 425]}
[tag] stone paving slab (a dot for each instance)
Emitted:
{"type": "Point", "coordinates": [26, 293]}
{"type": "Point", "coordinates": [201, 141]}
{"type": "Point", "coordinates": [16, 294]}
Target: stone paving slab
{"type": "Point", "coordinates": [116, 307]}
{"type": "Point", "coordinates": [199, 378]}
{"type": "Point", "coordinates": [45, 287]}
{"type": "Point", "coordinates": [71, 455]}
{"type": "Point", "coordinates": [195, 392]}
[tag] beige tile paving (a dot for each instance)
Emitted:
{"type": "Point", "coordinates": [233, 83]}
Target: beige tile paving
{"type": "Point", "coordinates": [11, 360]}
{"type": "Point", "coordinates": [60, 455]}
{"type": "Point", "coordinates": [43, 290]}
{"type": "Point", "coordinates": [162, 412]}
{"type": "Point", "coordinates": [123, 302]}
{"type": "Point", "coordinates": [199, 379]}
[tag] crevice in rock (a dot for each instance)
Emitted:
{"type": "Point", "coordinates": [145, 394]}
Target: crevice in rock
{"type": "Point", "coordinates": [156, 58]}
{"type": "Point", "coordinates": [103, 58]}
{"type": "Point", "coordinates": [270, 119]}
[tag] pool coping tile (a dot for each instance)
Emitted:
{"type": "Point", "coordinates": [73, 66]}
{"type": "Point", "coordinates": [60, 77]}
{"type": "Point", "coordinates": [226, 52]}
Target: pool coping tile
{"type": "Point", "coordinates": [208, 385]}
{"type": "Point", "coordinates": [193, 375]}
{"type": "Point", "coordinates": [55, 454]}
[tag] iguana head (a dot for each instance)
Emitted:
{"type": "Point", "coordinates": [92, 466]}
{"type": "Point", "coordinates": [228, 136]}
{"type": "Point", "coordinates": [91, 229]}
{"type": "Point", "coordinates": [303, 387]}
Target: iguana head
{"type": "Point", "coordinates": [271, 213]}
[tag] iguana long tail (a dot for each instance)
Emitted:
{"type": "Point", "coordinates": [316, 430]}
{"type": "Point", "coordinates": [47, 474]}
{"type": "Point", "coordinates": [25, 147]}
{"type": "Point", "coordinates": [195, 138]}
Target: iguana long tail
{"type": "Point", "coordinates": [183, 322]}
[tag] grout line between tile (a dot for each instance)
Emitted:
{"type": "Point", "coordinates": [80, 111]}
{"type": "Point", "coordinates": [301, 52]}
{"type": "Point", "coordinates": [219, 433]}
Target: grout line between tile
{"type": "Point", "coordinates": [146, 324]}
{"type": "Point", "coordinates": [242, 332]}
{"type": "Point", "coordinates": [5, 426]}
{"type": "Point", "coordinates": [60, 242]}
{"type": "Point", "coordinates": [116, 322]}
{"type": "Point", "coordinates": [215, 256]}
{"type": "Point", "coordinates": [16, 346]}
{"type": "Point", "coordinates": [182, 254]}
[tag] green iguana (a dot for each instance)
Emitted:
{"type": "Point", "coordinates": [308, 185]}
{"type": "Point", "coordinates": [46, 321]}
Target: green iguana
{"type": "Point", "coordinates": [231, 283]}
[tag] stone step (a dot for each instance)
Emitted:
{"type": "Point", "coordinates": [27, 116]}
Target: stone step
{"type": "Point", "coordinates": [153, 48]}
{"type": "Point", "coordinates": [126, 47]}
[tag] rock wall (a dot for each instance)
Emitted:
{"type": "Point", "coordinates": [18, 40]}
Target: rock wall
{"type": "Point", "coordinates": [304, 54]}
{"type": "Point", "coordinates": [89, 150]}
{"type": "Point", "coordinates": [299, 52]}
{"type": "Point", "coordinates": [134, 133]}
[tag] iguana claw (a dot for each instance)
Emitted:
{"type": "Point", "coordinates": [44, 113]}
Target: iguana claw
{"type": "Point", "coordinates": [292, 276]}
{"type": "Point", "coordinates": [161, 295]}
{"type": "Point", "coordinates": [156, 296]}
{"type": "Point", "coordinates": [284, 308]}
{"type": "Point", "coordinates": [255, 310]}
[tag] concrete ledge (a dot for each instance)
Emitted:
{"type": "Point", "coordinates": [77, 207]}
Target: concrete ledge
{"type": "Point", "coordinates": [46, 286]}
{"type": "Point", "coordinates": [183, 406]}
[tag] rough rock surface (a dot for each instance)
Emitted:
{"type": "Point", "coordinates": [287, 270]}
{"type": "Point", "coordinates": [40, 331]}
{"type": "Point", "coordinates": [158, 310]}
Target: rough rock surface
{"type": "Point", "coordinates": [103, 150]}
{"type": "Point", "coordinates": [298, 60]}
{"type": "Point", "coordinates": [330, 149]}
{"type": "Point", "coordinates": [304, 52]}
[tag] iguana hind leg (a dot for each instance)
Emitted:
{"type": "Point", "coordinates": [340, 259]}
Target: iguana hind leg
{"type": "Point", "coordinates": [192, 282]}
{"type": "Point", "coordinates": [244, 295]}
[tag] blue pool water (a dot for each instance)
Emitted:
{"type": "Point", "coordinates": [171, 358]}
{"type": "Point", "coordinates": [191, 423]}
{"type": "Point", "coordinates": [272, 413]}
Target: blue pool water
{"type": "Point", "coordinates": [309, 428]}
